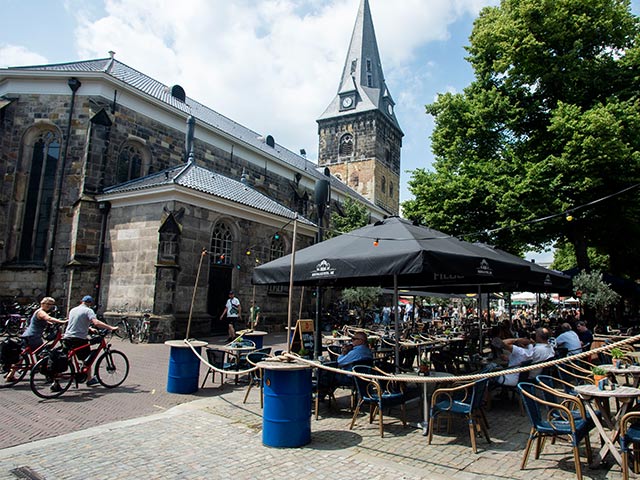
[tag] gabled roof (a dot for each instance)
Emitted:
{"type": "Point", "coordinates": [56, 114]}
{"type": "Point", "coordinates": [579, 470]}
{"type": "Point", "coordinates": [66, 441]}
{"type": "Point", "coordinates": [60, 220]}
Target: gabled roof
{"type": "Point", "coordinates": [197, 178]}
{"type": "Point", "coordinates": [362, 73]}
{"type": "Point", "coordinates": [147, 85]}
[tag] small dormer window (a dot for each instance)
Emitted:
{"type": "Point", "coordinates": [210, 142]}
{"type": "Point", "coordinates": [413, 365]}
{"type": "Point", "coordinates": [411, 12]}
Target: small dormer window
{"type": "Point", "coordinates": [369, 80]}
{"type": "Point", "coordinates": [368, 65]}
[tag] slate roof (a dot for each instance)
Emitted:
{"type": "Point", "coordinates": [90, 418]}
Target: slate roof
{"type": "Point", "coordinates": [203, 114]}
{"type": "Point", "coordinates": [203, 180]}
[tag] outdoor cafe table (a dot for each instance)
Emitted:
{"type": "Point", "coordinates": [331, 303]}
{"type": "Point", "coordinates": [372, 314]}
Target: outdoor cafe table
{"type": "Point", "coordinates": [236, 352]}
{"type": "Point", "coordinates": [331, 340]}
{"type": "Point", "coordinates": [626, 397]}
{"type": "Point", "coordinates": [427, 390]}
{"type": "Point", "coordinates": [633, 370]}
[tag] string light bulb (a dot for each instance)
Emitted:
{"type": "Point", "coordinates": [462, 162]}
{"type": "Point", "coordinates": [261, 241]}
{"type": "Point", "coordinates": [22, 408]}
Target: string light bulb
{"type": "Point", "coordinates": [248, 252]}
{"type": "Point", "coordinates": [569, 218]}
{"type": "Point", "coordinates": [376, 242]}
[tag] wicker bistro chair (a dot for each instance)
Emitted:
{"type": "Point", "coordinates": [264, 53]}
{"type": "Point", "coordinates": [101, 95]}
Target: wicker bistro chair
{"type": "Point", "coordinates": [371, 392]}
{"type": "Point", "coordinates": [629, 436]}
{"type": "Point", "coordinates": [464, 400]}
{"type": "Point", "coordinates": [559, 391]}
{"type": "Point", "coordinates": [255, 377]}
{"type": "Point", "coordinates": [551, 419]}
{"type": "Point", "coordinates": [216, 358]}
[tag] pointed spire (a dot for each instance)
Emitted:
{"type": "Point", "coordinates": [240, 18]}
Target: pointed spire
{"type": "Point", "coordinates": [362, 85]}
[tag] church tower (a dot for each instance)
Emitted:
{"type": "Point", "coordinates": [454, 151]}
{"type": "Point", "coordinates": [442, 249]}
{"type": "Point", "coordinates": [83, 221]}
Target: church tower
{"type": "Point", "coordinates": [360, 138]}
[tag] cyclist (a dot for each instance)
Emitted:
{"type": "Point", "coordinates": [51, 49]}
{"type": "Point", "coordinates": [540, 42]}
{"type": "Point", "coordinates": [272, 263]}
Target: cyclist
{"type": "Point", "coordinates": [32, 336]}
{"type": "Point", "coordinates": [76, 335]}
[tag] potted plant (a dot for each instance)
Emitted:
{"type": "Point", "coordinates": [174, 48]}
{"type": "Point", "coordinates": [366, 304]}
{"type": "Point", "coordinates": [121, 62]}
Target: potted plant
{"type": "Point", "coordinates": [617, 354]}
{"type": "Point", "coordinates": [424, 365]}
{"type": "Point", "coordinates": [598, 373]}
{"type": "Point", "coordinates": [303, 352]}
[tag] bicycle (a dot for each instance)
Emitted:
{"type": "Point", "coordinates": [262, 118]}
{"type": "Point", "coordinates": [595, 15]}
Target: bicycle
{"type": "Point", "coordinates": [144, 326]}
{"type": "Point", "coordinates": [111, 368]}
{"type": "Point", "coordinates": [14, 373]}
{"type": "Point", "coordinates": [126, 330]}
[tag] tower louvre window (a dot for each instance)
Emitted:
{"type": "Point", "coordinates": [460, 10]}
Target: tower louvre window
{"type": "Point", "coordinates": [369, 80]}
{"type": "Point", "coordinates": [368, 64]}
{"type": "Point", "coordinates": [384, 184]}
{"type": "Point", "coordinates": [346, 145]}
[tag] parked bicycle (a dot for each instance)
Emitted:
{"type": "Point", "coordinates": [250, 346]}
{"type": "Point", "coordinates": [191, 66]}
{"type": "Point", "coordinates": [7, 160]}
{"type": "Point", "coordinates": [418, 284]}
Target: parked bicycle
{"type": "Point", "coordinates": [127, 329]}
{"type": "Point", "coordinates": [144, 328]}
{"type": "Point", "coordinates": [14, 372]}
{"type": "Point", "coordinates": [53, 375]}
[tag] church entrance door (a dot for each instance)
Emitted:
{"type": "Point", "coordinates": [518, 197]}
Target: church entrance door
{"type": "Point", "coordinates": [219, 286]}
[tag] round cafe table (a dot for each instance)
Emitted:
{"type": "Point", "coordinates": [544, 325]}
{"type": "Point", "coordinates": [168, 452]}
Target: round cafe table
{"type": "Point", "coordinates": [593, 395]}
{"type": "Point", "coordinates": [633, 370]}
{"type": "Point", "coordinates": [427, 390]}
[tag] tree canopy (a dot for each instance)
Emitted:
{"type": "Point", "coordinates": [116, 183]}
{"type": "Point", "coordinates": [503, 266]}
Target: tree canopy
{"type": "Point", "coordinates": [537, 149]}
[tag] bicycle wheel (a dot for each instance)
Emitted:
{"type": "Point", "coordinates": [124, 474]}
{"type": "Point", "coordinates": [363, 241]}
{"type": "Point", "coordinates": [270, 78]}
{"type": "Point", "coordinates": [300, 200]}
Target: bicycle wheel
{"type": "Point", "coordinates": [19, 369]}
{"type": "Point", "coordinates": [112, 368]}
{"type": "Point", "coordinates": [143, 333]}
{"type": "Point", "coordinates": [50, 385]}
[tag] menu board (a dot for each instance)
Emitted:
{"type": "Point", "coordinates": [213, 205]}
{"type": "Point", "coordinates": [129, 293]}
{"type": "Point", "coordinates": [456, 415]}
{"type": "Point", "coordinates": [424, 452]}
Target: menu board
{"type": "Point", "coordinates": [302, 339]}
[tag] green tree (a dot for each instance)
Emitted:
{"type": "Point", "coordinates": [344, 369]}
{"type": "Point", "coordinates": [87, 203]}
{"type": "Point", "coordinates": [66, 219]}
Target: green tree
{"type": "Point", "coordinates": [362, 298]}
{"type": "Point", "coordinates": [595, 294]}
{"type": "Point", "coordinates": [349, 216]}
{"type": "Point", "coordinates": [550, 124]}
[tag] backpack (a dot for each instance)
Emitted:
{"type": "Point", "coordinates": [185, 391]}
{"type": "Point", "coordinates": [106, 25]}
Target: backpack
{"type": "Point", "coordinates": [57, 361]}
{"type": "Point", "coordinates": [10, 350]}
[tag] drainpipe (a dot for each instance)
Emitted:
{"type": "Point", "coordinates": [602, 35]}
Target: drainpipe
{"type": "Point", "coordinates": [104, 207]}
{"type": "Point", "coordinates": [74, 85]}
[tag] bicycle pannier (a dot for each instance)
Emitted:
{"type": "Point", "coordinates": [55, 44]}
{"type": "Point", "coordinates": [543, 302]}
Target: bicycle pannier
{"type": "Point", "coordinates": [57, 362]}
{"type": "Point", "coordinates": [10, 350]}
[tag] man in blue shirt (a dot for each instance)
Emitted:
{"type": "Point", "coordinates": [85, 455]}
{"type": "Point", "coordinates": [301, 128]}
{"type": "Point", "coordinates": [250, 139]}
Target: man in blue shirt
{"type": "Point", "coordinates": [569, 339]}
{"type": "Point", "coordinates": [357, 351]}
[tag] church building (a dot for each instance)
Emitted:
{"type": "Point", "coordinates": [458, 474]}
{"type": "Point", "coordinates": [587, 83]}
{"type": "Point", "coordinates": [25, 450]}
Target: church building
{"type": "Point", "coordinates": [115, 185]}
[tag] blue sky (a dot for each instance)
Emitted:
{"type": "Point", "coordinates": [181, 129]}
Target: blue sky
{"type": "Point", "coordinates": [272, 65]}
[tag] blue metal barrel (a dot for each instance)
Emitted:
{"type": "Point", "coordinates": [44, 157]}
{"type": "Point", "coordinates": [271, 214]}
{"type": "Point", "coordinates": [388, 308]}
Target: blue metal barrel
{"type": "Point", "coordinates": [287, 407]}
{"type": "Point", "coordinates": [184, 368]}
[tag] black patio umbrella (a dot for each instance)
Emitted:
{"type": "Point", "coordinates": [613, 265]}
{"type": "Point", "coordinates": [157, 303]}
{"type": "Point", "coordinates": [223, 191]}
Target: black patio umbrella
{"type": "Point", "coordinates": [389, 251]}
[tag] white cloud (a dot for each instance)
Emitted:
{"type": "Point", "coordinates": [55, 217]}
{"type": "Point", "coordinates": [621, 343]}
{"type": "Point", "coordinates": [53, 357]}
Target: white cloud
{"type": "Point", "coordinates": [272, 65]}
{"type": "Point", "coordinates": [15, 55]}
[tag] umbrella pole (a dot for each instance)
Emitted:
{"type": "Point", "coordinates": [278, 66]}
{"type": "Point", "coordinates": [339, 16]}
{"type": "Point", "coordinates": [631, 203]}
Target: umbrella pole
{"type": "Point", "coordinates": [293, 261]}
{"type": "Point", "coordinates": [301, 298]}
{"type": "Point", "coordinates": [480, 319]}
{"type": "Point", "coordinates": [397, 323]}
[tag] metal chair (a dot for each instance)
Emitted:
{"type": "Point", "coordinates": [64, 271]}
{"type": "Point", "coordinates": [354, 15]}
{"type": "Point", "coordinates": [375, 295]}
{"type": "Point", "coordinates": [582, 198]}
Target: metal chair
{"type": "Point", "coordinates": [550, 419]}
{"type": "Point", "coordinates": [465, 400]}
{"type": "Point", "coordinates": [255, 377]}
{"type": "Point", "coordinates": [629, 435]}
{"type": "Point", "coordinates": [216, 358]}
{"type": "Point", "coordinates": [559, 391]}
{"type": "Point", "coordinates": [372, 393]}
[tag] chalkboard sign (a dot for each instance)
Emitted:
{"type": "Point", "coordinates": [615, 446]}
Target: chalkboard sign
{"type": "Point", "coordinates": [302, 338]}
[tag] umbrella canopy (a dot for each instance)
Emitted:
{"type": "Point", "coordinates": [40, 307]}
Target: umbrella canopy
{"type": "Point", "coordinates": [393, 248]}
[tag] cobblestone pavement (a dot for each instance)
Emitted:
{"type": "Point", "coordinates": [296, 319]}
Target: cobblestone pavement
{"type": "Point", "coordinates": [219, 437]}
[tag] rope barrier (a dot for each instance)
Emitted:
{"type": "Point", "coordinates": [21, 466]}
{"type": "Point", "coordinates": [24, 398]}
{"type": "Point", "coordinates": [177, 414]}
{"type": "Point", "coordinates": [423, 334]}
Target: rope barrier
{"type": "Point", "coordinates": [287, 357]}
{"type": "Point", "coordinates": [466, 378]}
{"type": "Point", "coordinates": [216, 369]}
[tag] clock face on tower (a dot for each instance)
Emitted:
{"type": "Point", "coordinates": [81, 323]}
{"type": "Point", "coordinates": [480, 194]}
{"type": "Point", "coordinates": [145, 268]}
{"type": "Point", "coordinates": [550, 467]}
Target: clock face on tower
{"type": "Point", "coordinates": [347, 102]}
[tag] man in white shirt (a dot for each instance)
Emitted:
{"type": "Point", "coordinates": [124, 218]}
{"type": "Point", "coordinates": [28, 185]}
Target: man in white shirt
{"type": "Point", "coordinates": [232, 311]}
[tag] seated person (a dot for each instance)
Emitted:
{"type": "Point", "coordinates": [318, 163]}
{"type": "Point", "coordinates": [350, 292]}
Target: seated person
{"type": "Point", "coordinates": [584, 334]}
{"type": "Point", "coordinates": [520, 351]}
{"type": "Point", "coordinates": [541, 350]}
{"type": "Point", "coordinates": [355, 352]}
{"type": "Point", "coordinates": [568, 340]}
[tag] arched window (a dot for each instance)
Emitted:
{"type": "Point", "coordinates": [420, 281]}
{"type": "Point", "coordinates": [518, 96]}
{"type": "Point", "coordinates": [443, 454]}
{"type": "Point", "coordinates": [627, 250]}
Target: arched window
{"type": "Point", "coordinates": [40, 190]}
{"type": "Point", "coordinates": [131, 162]}
{"type": "Point", "coordinates": [276, 249]}
{"type": "Point", "coordinates": [346, 145]}
{"type": "Point", "coordinates": [390, 189]}
{"type": "Point", "coordinates": [355, 180]}
{"type": "Point", "coordinates": [222, 244]}
{"type": "Point", "coordinates": [384, 184]}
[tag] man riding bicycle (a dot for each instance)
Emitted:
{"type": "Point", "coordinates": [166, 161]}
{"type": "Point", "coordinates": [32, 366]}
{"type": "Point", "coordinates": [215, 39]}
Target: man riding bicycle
{"type": "Point", "coordinates": [81, 318]}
